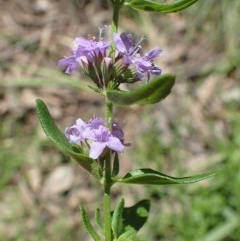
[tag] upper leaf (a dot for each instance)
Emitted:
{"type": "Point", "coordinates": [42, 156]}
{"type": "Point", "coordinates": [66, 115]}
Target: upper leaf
{"type": "Point", "coordinates": [149, 176]}
{"type": "Point", "coordinates": [148, 5]}
{"type": "Point", "coordinates": [153, 92]}
{"type": "Point", "coordinates": [59, 139]}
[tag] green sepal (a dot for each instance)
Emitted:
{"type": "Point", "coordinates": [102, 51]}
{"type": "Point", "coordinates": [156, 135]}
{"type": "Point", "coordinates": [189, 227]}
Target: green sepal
{"type": "Point", "coordinates": [59, 139]}
{"type": "Point", "coordinates": [115, 169]}
{"type": "Point", "coordinates": [148, 5]}
{"type": "Point", "coordinates": [117, 220]}
{"type": "Point", "coordinates": [150, 93]}
{"type": "Point", "coordinates": [88, 225]}
{"type": "Point", "coordinates": [149, 176]}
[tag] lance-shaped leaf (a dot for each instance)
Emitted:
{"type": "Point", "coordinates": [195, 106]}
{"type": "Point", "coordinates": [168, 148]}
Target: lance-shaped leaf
{"type": "Point", "coordinates": [150, 93]}
{"type": "Point", "coordinates": [149, 176]}
{"type": "Point", "coordinates": [117, 220]}
{"type": "Point", "coordinates": [59, 139]}
{"type": "Point", "coordinates": [169, 7]}
{"type": "Point", "coordinates": [88, 225]}
{"type": "Point", "coordinates": [98, 219]}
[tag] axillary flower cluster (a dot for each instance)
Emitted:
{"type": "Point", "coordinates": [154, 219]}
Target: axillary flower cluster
{"type": "Point", "coordinates": [96, 136]}
{"type": "Point", "coordinates": [103, 63]}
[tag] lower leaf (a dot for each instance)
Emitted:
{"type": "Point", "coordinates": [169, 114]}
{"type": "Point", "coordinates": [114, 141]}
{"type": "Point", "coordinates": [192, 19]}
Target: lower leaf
{"type": "Point", "coordinates": [88, 225]}
{"type": "Point", "coordinates": [60, 140]}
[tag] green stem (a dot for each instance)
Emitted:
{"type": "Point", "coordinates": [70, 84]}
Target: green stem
{"type": "Point", "coordinates": [109, 114]}
{"type": "Point", "coordinates": [108, 178]}
{"type": "Point", "coordinates": [107, 198]}
{"type": "Point", "coordinates": [117, 4]}
{"type": "Point", "coordinates": [109, 120]}
{"type": "Point", "coordinates": [107, 217]}
{"type": "Point", "coordinates": [116, 8]}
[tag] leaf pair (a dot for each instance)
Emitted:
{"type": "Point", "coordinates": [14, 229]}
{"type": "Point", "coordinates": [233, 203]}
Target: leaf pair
{"type": "Point", "coordinates": [140, 176]}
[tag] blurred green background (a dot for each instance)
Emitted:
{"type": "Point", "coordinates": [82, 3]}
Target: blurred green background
{"type": "Point", "coordinates": [195, 129]}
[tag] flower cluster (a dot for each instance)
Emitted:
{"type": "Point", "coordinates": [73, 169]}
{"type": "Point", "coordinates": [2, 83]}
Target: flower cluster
{"type": "Point", "coordinates": [97, 59]}
{"type": "Point", "coordinates": [143, 64]}
{"type": "Point", "coordinates": [96, 135]}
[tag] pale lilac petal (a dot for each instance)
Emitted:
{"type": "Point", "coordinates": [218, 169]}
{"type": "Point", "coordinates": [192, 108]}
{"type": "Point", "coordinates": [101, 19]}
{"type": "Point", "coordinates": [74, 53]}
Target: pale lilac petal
{"type": "Point", "coordinates": [70, 63]}
{"type": "Point", "coordinates": [80, 123]}
{"type": "Point", "coordinates": [152, 54]}
{"type": "Point", "coordinates": [96, 149]}
{"type": "Point", "coordinates": [95, 123]}
{"type": "Point", "coordinates": [115, 144]}
{"type": "Point", "coordinates": [73, 135]}
{"type": "Point", "coordinates": [119, 43]}
{"type": "Point", "coordinates": [128, 41]}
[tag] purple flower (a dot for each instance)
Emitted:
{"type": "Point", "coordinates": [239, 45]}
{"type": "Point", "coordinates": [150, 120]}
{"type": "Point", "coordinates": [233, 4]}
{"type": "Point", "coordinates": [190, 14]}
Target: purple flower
{"type": "Point", "coordinates": [144, 64]}
{"type": "Point", "coordinates": [90, 48]}
{"type": "Point", "coordinates": [126, 47]}
{"type": "Point", "coordinates": [70, 63]}
{"type": "Point", "coordinates": [124, 43]}
{"type": "Point", "coordinates": [84, 52]}
{"type": "Point", "coordinates": [92, 125]}
{"type": "Point", "coordinates": [102, 139]}
{"type": "Point", "coordinates": [74, 133]}
{"type": "Point", "coordinates": [96, 135]}
{"type": "Point", "coordinates": [93, 57]}
{"type": "Point", "coordinates": [95, 123]}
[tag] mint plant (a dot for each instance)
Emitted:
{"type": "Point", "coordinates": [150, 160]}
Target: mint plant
{"type": "Point", "coordinates": [97, 144]}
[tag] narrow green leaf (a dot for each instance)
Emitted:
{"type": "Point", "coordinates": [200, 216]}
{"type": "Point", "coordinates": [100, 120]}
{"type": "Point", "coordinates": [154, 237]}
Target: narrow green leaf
{"type": "Point", "coordinates": [98, 219]}
{"type": "Point", "coordinates": [88, 225]}
{"type": "Point", "coordinates": [170, 7]}
{"type": "Point", "coordinates": [150, 93]}
{"type": "Point", "coordinates": [149, 176]}
{"type": "Point", "coordinates": [117, 220]}
{"type": "Point", "coordinates": [59, 139]}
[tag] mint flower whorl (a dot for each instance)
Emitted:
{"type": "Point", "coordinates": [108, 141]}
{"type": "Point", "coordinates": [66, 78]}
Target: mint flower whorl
{"type": "Point", "coordinates": [94, 59]}
{"type": "Point", "coordinates": [145, 67]}
{"type": "Point", "coordinates": [96, 135]}
{"type": "Point", "coordinates": [88, 55]}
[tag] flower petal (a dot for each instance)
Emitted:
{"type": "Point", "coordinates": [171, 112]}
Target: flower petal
{"type": "Point", "coordinates": [96, 149]}
{"type": "Point", "coordinates": [115, 144]}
